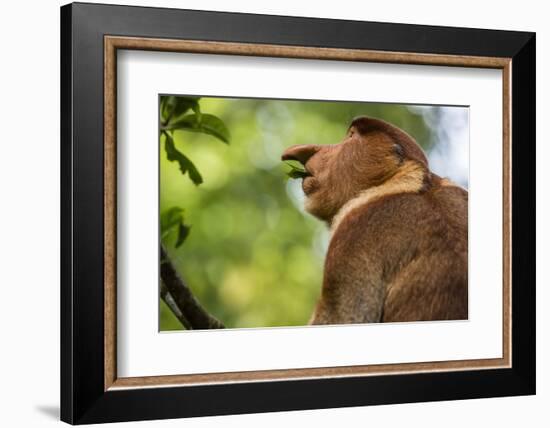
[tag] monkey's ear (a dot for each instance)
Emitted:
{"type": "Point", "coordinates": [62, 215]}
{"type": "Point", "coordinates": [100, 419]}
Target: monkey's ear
{"type": "Point", "coordinates": [399, 152]}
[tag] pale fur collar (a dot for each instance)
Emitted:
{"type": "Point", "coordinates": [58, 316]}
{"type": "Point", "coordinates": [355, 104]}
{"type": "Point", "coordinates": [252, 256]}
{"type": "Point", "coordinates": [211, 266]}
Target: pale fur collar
{"type": "Point", "coordinates": [409, 179]}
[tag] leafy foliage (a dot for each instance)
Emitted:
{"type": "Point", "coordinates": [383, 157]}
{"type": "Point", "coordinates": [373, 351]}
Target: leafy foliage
{"type": "Point", "coordinates": [173, 107]}
{"type": "Point", "coordinates": [175, 116]}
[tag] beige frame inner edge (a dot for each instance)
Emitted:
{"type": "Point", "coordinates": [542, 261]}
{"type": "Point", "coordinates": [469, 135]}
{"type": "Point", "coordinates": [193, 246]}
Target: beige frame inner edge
{"type": "Point", "coordinates": [112, 43]}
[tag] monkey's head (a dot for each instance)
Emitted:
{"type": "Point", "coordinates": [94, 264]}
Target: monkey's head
{"type": "Point", "coordinates": [372, 152]}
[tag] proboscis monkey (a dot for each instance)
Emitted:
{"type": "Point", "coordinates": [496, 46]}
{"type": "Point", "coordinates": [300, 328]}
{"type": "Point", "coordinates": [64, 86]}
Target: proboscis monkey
{"type": "Point", "coordinates": [399, 233]}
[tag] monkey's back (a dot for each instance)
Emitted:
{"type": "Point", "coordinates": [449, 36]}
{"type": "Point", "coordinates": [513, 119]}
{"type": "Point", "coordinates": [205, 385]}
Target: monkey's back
{"type": "Point", "coordinates": [417, 244]}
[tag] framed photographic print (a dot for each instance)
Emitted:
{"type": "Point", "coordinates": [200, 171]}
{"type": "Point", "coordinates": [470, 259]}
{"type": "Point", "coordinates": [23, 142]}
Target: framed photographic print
{"type": "Point", "coordinates": [265, 213]}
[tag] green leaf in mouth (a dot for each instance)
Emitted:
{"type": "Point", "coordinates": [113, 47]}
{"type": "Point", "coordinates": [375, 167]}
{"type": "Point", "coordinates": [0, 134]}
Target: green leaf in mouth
{"type": "Point", "coordinates": [296, 170]}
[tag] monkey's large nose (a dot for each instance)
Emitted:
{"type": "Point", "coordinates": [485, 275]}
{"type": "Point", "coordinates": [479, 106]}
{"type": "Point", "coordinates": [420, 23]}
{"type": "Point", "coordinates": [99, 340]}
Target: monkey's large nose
{"type": "Point", "coordinates": [300, 153]}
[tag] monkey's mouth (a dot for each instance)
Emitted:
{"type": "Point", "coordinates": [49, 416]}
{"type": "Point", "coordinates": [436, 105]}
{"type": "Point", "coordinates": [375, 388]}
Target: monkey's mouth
{"type": "Point", "coordinates": [310, 184]}
{"type": "Point", "coordinates": [297, 170]}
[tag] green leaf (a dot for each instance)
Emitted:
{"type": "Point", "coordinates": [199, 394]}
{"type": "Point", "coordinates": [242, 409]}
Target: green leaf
{"type": "Point", "coordinates": [183, 104]}
{"type": "Point", "coordinates": [185, 164]}
{"type": "Point", "coordinates": [193, 172]}
{"type": "Point", "coordinates": [186, 122]}
{"type": "Point", "coordinates": [164, 101]}
{"type": "Point", "coordinates": [296, 174]}
{"type": "Point", "coordinates": [183, 233]}
{"type": "Point", "coordinates": [296, 170]}
{"type": "Point", "coordinates": [197, 109]}
{"type": "Point", "coordinates": [172, 107]}
{"type": "Point", "coordinates": [171, 219]}
{"type": "Point", "coordinates": [208, 124]}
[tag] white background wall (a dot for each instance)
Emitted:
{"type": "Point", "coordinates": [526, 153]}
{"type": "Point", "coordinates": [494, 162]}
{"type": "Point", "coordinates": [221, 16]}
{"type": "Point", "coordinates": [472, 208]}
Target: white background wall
{"type": "Point", "coordinates": [29, 218]}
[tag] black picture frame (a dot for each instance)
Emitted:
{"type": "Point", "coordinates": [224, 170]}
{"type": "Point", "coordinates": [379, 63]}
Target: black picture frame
{"type": "Point", "coordinates": [83, 396]}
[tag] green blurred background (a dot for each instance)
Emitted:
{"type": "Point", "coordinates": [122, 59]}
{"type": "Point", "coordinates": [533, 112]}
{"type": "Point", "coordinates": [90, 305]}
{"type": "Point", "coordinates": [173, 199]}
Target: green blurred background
{"type": "Point", "coordinates": [253, 257]}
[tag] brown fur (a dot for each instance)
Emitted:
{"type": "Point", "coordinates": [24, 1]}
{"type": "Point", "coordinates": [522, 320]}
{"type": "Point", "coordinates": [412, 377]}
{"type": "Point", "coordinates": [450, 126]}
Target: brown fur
{"type": "Point", "coordinates": [398, 250]}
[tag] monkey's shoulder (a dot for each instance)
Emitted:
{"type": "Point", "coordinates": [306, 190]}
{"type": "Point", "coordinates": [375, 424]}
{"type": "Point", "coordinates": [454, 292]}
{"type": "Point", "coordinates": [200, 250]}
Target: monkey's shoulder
{"type": "Point", "coordinates": [394, 220]}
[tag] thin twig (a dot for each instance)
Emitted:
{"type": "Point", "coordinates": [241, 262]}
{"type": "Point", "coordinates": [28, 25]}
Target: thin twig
{"type": "Point", "coordinates": [186, 302]}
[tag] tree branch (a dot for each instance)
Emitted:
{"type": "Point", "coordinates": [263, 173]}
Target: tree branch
{"type": "Point", "coordinates": [189, 307]}
{"type": "Point", "coordinates": [170, 302]}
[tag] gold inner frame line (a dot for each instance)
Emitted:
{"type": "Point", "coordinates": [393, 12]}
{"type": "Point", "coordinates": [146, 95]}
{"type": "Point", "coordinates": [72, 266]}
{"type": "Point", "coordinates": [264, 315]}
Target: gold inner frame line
{"type": "Point", "coordinates": [113, 43]}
